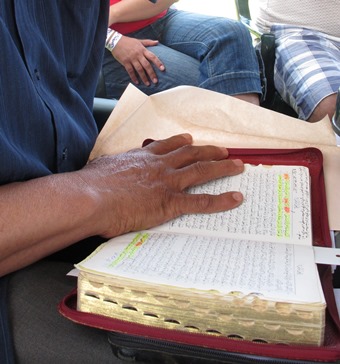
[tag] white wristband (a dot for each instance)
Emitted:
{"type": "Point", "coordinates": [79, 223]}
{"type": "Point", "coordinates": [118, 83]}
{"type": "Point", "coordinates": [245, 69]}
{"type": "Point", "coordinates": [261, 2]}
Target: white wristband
{"type": "Point", "coordinates": [112, 38]}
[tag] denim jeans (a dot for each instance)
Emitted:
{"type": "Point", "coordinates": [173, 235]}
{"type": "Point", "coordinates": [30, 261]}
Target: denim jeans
{"type": "Point", "coordinates": [211, 52]}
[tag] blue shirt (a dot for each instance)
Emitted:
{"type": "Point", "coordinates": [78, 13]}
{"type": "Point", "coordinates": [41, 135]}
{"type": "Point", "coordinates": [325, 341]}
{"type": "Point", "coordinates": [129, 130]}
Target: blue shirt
{"type": "Point", "coordinates": [50, 57]}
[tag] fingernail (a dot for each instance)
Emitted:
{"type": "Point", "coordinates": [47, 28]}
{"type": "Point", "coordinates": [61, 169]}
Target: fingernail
{"type": "Point", "coordinates": [155, 80]}
{"type": "Point", "coordinates": [187, 136]}
{"type": "Point", "coordinates": [237, 196]}
{"type": "Point", "coordinates": [225, 151]}
{"type": "Point", "coordinates": [147, 142]}
{"type": "Point", "coordinates": [238, 162]}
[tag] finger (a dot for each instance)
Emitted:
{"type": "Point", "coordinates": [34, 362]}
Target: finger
{"type": "Point", "coordinates": [190, 154]}
{"type": "Point", "coordinates": [131, 72]}
{"type": "Point", "coordinates": [205, 203]}
{"type": "Point", "coordinates": [164, 146]}
{"type": "Point", "coordinates": [148, 69]}
{"type": "Point", "coordinates": [152, 58]}
{"type": "Point", "coordinates": [141, 73]}
{"type": "Point", "coordinates": [202, 172]}
{"type": "Point", "coordinates": [149, 42]}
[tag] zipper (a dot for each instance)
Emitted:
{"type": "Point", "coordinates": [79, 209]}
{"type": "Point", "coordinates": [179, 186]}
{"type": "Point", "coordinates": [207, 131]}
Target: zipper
{"type": "Point", "coordinates": [134, 337]}
{"type": "Point", "coordinates": [129, 346]}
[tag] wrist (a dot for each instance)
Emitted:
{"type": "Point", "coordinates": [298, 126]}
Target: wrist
{"type": "Point", "coordinates": [112, 38]}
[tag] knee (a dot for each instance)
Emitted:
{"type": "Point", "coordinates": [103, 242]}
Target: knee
{"type": "Point", "coordinates": [325, 107]}
{"type": "Point", "coordinates": [231, 28]}
{"type": "Point", "coordinates": [239, 31]}
{"type": "Point", "coordinates": [230, 37]}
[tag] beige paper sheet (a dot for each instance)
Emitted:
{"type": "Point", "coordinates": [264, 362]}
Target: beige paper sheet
{"type": "Point", "coordinates": [214, 118]}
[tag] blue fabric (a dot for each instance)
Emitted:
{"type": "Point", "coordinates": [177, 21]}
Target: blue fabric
{"type": "Point", "coordinates": [211, 52]}
{"type": "Point", "coordinates": [51, 53]}
{"type": "Point", "coordinates": [307, 67]}
{"type": "Point", "coordinates": [49, 69]}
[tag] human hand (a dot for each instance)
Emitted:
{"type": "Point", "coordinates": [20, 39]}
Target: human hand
{"type": "Point", "coordinates": [146, 187]}
{"type": "Point", "coordinates": [137, 59]}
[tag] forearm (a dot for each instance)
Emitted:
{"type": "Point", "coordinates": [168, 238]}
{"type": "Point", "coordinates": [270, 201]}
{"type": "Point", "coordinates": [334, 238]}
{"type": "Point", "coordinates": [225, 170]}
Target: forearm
{"type": "Point", "coordinates": [132, 10]}
{"type": "Point", "coordinates": [42, 216]}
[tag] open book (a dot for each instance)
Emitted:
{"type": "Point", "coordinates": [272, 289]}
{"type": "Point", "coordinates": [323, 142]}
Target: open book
{"type": "Point", "coordinates": [245, 273]}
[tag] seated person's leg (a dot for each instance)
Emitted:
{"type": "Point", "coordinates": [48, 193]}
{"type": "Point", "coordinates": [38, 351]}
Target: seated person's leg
{"type": "Point", "coordinates": [325, 107]}
{"type": "Point", "coordinates": [228, 63]}
{"type": "Point", "coordinates": [220, 51]}
{"type": "Point", "coordinates": [40, 333]}
{"type": "Point", "coordinates": [307, 72]}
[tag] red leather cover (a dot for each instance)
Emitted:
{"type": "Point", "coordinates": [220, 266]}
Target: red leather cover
{"type": "Point", "coordinates": [330, 351]}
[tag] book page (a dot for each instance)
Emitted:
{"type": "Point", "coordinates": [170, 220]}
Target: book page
{"type": "Point", "coordinates": [272, 271]}
{"type": "Point", "coordinates": [276, 207]}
